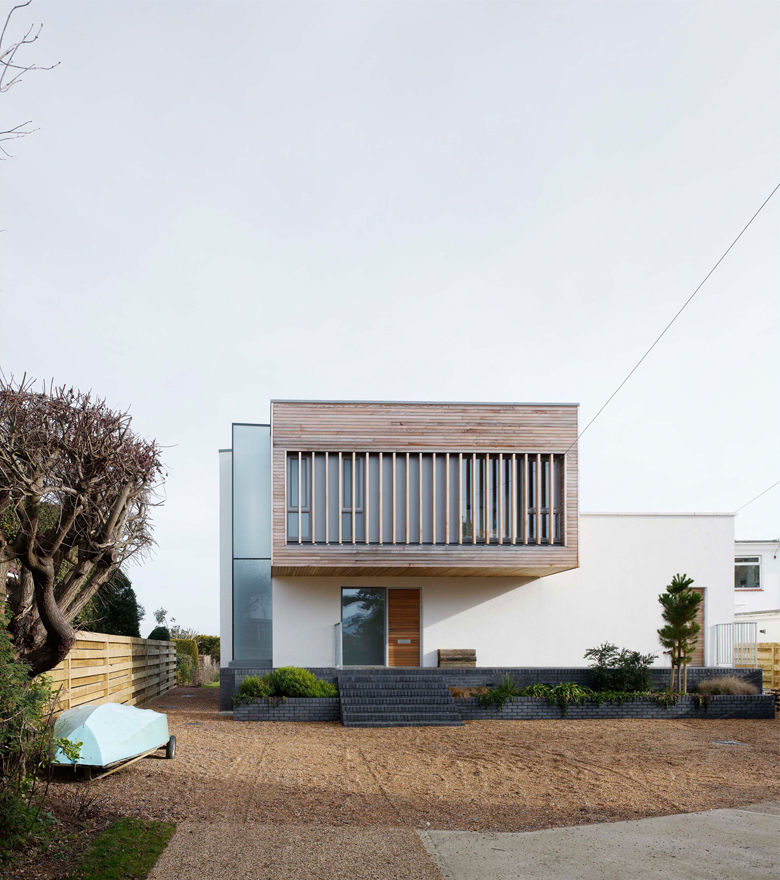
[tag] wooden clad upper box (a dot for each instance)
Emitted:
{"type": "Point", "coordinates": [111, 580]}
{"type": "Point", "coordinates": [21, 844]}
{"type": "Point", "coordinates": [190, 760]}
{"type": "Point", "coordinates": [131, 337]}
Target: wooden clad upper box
{"type": "Point", "coordinates": [369, 428]}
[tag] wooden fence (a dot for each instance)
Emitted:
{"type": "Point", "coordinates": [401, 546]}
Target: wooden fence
{"type": "Point", "coordinates": [768, 663]}
{"type": "Point", "coordinates": [114, 669]}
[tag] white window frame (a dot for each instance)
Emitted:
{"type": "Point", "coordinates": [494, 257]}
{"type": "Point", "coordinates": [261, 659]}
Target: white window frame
{"type": "Point", "coordinates": [745, 561]}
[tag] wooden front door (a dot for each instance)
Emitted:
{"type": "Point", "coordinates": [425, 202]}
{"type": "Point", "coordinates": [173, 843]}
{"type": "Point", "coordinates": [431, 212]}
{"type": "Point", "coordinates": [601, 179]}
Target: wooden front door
{"type": "Point", "coordinates": [403, 627]}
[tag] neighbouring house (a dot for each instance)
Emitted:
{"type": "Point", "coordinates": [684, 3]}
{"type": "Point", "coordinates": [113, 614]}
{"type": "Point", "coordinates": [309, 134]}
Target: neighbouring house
{"type": "Point", "coordinates": [757, 587]}
{"type": "Point", "coordinates": [378, 533]}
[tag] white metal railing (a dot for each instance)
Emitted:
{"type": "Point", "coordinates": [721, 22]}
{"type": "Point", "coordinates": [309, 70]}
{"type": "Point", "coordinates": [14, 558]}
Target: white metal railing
{"type": "Point", "coordinates": [736, 644]}
{"type": "Point", "coordinates": [338, 658]}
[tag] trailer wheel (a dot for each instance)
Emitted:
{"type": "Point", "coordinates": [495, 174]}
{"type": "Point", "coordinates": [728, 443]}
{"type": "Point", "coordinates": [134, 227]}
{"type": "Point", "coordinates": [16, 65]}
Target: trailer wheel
{"type": "Point", "coordinates": [170, 748]}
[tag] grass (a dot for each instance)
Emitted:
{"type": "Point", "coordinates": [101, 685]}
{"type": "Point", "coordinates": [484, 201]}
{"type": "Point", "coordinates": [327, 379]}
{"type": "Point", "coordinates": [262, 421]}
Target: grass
{"type": "Point", "coordinates": [127, 848]}
{"type": "Point", "coordinates": [212, 684]}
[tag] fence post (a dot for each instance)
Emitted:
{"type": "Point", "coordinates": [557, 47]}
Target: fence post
{"type": "Point", "coordinates": [105, 660]}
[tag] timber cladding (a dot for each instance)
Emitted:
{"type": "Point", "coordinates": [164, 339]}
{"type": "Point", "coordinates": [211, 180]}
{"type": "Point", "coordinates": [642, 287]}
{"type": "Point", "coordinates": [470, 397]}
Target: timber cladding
{"type": "Point", "coordinates": [504, 429]}
{"type": "Point", "coordinates": [104, 668]}
{"type": "Point", "coordinates": [403, 627]}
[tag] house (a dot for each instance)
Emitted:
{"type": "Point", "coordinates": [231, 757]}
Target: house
{"type": "Point", "coordinates": [757, 587]}
{"type": "Point", "coordinates": [378, 533]}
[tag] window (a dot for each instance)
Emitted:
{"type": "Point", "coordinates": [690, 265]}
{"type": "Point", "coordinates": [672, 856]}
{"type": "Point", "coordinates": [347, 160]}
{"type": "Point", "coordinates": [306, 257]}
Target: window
{"type": "Point", "coordinates": [425, 497]}
{"type": "Point", "coordinates": [747, 573]}
{"type": "Point", "coordinates": [346, 484]}
{"type": "Point", "coordinates": [299, 480]}
{"type": "Point", "coordinates": [352, 490]}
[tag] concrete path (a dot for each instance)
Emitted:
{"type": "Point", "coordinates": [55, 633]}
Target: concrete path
{"type": "Point", "coordinates": [232, 850]}
{"type": "Point", "coordinates": [741, 844]}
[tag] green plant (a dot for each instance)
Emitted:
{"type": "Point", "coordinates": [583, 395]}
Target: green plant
{"type": "Point", "coordinates": [500, 694]}
{"type": "Point", "coordinates": [726, 684]}
{"type": "Point", "coordinates": [26, 747]}
{"type": "Point", "coordinates": [619, 669]}
{"type": "Point", "coordinates": [186, 672]}
{"type": "Point", "coordinates": [561, 695]}
{"type": "Point", "coordinates": [680, 633]}
{"type": "Point", "coordinates": [127, 848]}
{"type": "Point", "coordinates": [254, 687]}
{"type": "Point", "coordinates": [287, 681]}
{"type": "Point", "coordinates": [114, 609]}
{"type": "Point", "coordinates": [208, 645]}
{"type": "Point", "coordinates": [160, 632]}
{"type": "Point", "coordinates": [184, 669]}
{"type": "Point", "coordinates": [291, 681]}
{"type": "Point", "coordinates": [568, 693]}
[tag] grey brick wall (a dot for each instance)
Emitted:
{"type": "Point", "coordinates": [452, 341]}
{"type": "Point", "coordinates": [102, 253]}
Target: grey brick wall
{"type": "Point", "coordinates": [291, 709]}
{"type": "Point", "coordinates": [232, 676]}
{"type": "Point", "coordinates": [534, 708]}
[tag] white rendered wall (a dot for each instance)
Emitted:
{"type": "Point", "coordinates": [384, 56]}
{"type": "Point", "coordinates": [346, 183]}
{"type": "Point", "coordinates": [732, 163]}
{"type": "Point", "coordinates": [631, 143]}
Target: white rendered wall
{"type": "Point", "coordinates": [225, 557]}
{"type": "Point", "coordinates": [625, 562]}
{"type": "Point", "coordinates": [768, 597]}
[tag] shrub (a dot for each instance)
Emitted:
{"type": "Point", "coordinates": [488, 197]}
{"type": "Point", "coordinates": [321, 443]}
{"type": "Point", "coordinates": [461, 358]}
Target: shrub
{"type": "Point", "coordinates": [186, 673]}
{"type": "Point", "coordinates": [255, 687]}
{"type": "Point", "coordinates": [726, 684]}
{"type": "Point", "coordinates": [287, 681]}
{"type": "Point", "coordinates": [618, 669]}
{"type": "Point", "coordinates": [291, 681]}
{"type": "Point", "coordinates": [208, 645]}
{"type": "Point", "coordinates": [26, 746]}
{"type": "Point", "coordinates": [160, 632]}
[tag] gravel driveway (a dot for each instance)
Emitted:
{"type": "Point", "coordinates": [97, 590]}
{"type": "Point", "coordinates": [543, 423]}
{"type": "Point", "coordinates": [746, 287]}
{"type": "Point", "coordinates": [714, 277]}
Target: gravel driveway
{"type": "Point", "coordinates": [352, 798]}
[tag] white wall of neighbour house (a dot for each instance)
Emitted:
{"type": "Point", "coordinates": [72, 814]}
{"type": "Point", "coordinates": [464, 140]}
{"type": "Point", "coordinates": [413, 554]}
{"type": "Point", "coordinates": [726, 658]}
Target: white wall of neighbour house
{"type": "Point", "coordinates": [768, 597]}
{"type": "Point", "coordinates": [626, 560]}
{"type": "Point", "coordinates": [225, 557]}
{"type": "Point", "coordinates": [761, 606]}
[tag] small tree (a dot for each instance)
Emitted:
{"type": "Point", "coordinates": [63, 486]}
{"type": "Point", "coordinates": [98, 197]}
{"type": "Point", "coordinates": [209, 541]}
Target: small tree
{"type": "Point", "coordinates": [76, 490]}
{"type": "Point", "coordinates": [114, 609]}
{"type": "Point", "coordinates": [680, 633]}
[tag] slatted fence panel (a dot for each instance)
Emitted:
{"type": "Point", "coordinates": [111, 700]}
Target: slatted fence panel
{"type": "Point", "coordinates": [114, 669]}
{"type": "Point", "coordinates": [769, 664]}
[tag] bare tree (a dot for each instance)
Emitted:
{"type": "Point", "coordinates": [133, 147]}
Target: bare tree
{"type": "Point", "coordinates": [76, 489]}
{"type": "Point", "coordinates": [12, 69]}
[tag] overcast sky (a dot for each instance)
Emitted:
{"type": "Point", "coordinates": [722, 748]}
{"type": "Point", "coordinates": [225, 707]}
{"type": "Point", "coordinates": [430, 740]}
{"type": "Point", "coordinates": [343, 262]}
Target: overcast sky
{"type": "Point", "coordinates": [231, 202]}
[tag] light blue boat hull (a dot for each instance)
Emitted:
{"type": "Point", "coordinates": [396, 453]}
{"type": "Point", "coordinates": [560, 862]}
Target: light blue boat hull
{"type": "Point", "coordinates": [110, 732]}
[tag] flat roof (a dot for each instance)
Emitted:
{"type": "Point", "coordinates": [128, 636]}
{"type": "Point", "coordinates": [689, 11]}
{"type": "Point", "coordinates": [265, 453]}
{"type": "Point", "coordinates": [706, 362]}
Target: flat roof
{"type": "Point", "coordinates": [429, 402]}
{"type": "Point", "coordinates": [655, 513]}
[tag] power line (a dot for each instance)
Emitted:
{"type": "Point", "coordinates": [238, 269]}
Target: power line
{"type": "Point", "coordinates": [758, 496]}
{"type": "Point", "coordinates": [677, 315]}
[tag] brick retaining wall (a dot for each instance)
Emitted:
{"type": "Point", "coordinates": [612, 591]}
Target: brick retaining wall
{"type": "Point", "coordinates": [290, 709]}
{"type": "Point", "coordinates": [535, 708]}
{"type": "Point", "coordinates": [232, 676]}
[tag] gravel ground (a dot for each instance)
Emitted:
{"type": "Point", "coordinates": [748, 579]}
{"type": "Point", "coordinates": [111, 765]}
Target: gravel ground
{"type": "Point", "coordinates": [336, 793]}
{"type": "Point", "coordinates": [487, 775]}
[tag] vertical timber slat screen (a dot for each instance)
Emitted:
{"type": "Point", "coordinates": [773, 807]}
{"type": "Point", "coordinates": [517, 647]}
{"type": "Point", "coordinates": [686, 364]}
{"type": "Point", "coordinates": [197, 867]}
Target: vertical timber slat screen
{"type": "Point", "coordinates": [495, 498]}
{"type": "Point", "coordinates": [113, 669]}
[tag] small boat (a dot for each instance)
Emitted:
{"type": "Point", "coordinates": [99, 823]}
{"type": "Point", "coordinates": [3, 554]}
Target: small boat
{"type": "Point", "coordinates": [112, 735]}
